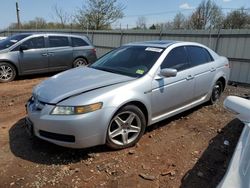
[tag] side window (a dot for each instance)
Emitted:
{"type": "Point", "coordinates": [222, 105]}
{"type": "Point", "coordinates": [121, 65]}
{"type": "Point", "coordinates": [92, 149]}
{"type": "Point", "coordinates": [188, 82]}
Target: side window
{"type": "Point", "coordinates": [208, 55]}
{"type": "Point", "coordinates": [176, 59]}
{"type": "Point", "coordinates": [198, 55]}
{"type": "Point", "coordinates": [34, 43]}
{"type": "Point", "coordinates": [58, 41]}
{"type": "Point", "coordinates": [78, 42]}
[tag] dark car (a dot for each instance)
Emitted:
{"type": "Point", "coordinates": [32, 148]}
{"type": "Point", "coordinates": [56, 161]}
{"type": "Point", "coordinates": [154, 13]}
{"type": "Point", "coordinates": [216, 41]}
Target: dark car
{"type": "Point", "coordinates": [24, 54]}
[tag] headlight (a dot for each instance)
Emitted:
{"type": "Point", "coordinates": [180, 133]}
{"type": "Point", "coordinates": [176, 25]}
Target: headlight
{"type": "Point", "coordinates": [74, 110]}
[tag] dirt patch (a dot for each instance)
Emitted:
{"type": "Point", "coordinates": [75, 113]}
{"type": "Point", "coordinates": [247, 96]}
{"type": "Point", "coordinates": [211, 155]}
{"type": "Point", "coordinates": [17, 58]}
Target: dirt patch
{"type": "Point", "coordinates": [184, 151]}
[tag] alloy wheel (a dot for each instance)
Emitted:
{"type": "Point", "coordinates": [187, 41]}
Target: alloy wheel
{"type": "Point", "coordinates": [81, 62]}
{"type": "Point", "coordinates": [216, 92]}
{"type": "Point", "coordinates": [6, 73]}
{"type": "Point", "coordinates": [124, 128]}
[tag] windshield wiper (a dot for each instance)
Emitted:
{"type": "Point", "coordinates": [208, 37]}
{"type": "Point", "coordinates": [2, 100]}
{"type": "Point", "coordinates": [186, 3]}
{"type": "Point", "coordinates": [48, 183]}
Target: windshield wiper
{"type": "Point", "coordinates": [105, 69]}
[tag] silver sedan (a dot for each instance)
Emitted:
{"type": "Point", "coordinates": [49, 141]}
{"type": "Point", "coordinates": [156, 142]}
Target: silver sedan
{"type": "Point", "coordinates": [113, 100]}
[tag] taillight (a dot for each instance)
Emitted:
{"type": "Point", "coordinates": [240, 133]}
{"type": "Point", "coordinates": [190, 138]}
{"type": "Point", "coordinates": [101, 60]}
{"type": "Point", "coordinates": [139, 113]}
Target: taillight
{"type": "Point", "coordinates": [94, 51]}
{"type": "Point", "coordinates": [228, 65]}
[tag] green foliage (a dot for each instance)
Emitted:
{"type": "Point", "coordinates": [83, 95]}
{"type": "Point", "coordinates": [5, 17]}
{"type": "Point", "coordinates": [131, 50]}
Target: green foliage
{"type": "Point", "coordinates": [237, 19]}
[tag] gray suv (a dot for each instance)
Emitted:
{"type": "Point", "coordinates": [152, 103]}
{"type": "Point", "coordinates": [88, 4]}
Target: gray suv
{"type": "Point", "coordinates": [24, 54]}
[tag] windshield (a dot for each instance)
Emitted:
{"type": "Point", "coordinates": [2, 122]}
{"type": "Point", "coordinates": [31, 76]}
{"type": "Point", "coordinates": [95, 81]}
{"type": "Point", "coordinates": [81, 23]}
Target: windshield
{"type": "Point", "coordinates": [8, 42]}
{"type": "Point", "coordinates": [133, 61]}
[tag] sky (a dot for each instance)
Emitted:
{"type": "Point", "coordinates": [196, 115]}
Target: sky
{"type": "Point", "coordinates": [154, 11]}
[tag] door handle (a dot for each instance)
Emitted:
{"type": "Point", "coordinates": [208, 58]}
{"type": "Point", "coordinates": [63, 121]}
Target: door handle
{"type": "Point", "coordinates": [213, 69]}
{"type": "Point", "coordinates": [45, 54]}
{"type": "Point", "coordinates": [190, 77]}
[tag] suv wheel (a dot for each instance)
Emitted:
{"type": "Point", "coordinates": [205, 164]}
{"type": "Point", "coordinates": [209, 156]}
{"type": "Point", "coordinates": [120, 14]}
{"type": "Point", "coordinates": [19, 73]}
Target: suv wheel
{"type": "Point", "coordinates": [80, 62]}
{"type": "Point", "coordinates": [126, 127]}
{"type": "Point", "coordinates": [7, 72]}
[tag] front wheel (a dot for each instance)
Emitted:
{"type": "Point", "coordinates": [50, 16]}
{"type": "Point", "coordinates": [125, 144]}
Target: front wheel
{"type": "Point", "coordinates": [126, 127]}
{"type": "Point", "coordinates": [216, 93]}
{"type": "Point", "coordinates": [7, 72]}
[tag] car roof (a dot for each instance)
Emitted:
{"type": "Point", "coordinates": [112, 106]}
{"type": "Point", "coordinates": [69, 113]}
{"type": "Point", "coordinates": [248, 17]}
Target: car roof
{"type": "Point", "coordinates": [53, 34]}
{"type": "Point", "coordinates": [155, 43]}
{"type": "Point", "coordinates": [163, 43]}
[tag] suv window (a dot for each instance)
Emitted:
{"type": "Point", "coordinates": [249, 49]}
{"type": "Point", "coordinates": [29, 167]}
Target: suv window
{"type": "Point", "coordinates": [176, 59]}
{"type": "Point", "coordinates": [78, 42]}
{"type": "Point", "coordinates": [8, 42]}
{"type": "Point", "coordinates": [58, 41]}
{"type": "Point", "coordinates": [198, 55]}
{"type": "Point", "coordinates": [34, 43]}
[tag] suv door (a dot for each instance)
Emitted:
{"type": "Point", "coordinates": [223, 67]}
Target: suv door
{"type": "Point", "coordinates": [171, 93]}
{"type": "Point", "coordinates": [203, 68]}
{"type": "Point", "coordinates": [60, 53]}
{"type": "Point", "coordinates": [34, 58]}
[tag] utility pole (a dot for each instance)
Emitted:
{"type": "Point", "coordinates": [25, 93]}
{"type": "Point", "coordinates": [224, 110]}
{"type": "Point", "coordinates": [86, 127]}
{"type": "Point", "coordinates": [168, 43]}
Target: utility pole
{"type": "Point", "coordinates": [18, 17]}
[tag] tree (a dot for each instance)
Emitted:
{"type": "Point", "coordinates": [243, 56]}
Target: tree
{"type": "Point", "coordinates": [37, 23]}
{"type": "Point", "coordinates": [207, 15]}
{"type": "Point", "coordinates": [179, 21]}
{"type": "Point", "coordinates": [141, 23]}
{"type": "Point", "coordinates": [61, 15]}
{"type": "Point", "coordinates": [99, 14]}
{"type": "Point", "coordinates": [153, 27]}
{"type": "Point", "coordinates": [237, 19]}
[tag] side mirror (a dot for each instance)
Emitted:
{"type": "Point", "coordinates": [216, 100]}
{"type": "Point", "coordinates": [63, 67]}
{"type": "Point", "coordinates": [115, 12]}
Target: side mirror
{"type": "Point", "coordinates": [239, 106]}
{"type": "Point", "coordinates": [23, 48]}
{"type": "Point", "coordinates": [168, 72]}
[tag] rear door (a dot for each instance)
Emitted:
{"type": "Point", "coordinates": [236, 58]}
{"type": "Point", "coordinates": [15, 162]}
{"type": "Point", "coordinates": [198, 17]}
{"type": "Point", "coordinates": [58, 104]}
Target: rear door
{"type": "Point", "coordinates": [35, 57]}
{"type": "Point", "coordinates": [203, 69]}
{"type": "Point", "coordinates": [171, 93]}
{"type": "Point", "coordinates": [60, 53]}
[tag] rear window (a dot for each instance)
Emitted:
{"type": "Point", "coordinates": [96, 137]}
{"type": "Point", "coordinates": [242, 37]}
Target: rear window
{"type": "Point", "coordinates": [78, 42]}
{"type": "Point", "coordinates": [58, 41]}
{"type": "Point", "coordinates": [198, 55]}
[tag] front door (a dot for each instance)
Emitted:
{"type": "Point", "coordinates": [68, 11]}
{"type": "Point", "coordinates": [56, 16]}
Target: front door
{"type": "Point", "coordinates": [169, 94]}
{"type": "Point", "coordinates": [35, 57]}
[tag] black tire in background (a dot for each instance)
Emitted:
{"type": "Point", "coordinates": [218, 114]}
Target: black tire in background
{"type": "Point", "coordinates": [216, 93]}
{"type": "Point", "coordinates": [7, 72]}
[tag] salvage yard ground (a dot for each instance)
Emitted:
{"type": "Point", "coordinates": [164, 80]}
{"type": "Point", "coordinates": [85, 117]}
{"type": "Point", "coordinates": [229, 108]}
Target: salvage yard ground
{"type": "Point", "coordinates": [188, 150]}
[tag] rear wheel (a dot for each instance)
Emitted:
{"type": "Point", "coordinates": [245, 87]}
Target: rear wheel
{"type": "Point", "coordinates": [80, 62]}
{"type": "Point", "coordinates": [216, 93]}
{"type": "Point", "coordinates": [126, 127]}
{"type": "Point", "coordinates": [7, 72]}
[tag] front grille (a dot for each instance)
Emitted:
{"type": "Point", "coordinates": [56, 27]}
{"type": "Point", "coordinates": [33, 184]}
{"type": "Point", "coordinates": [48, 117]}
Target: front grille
{"type": "Point", "coordinates": [55, 136]}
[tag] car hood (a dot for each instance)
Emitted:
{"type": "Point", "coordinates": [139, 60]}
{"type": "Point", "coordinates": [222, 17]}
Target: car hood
{"type": "Point", "coordinates": [4, 51]}
{"type": "Point", "coordinates": [74, 82]}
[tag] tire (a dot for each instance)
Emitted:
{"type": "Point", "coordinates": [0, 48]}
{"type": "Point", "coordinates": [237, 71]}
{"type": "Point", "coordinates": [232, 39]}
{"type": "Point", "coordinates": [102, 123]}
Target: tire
{"type": "Point", "coordinates": [80, 62]}
{"type": "Point", "coordinates": [7, 72]}
{"type": "Point", "coordinates": [121, 133]}
{"type": "Point", "coordinates": [216, 93]}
